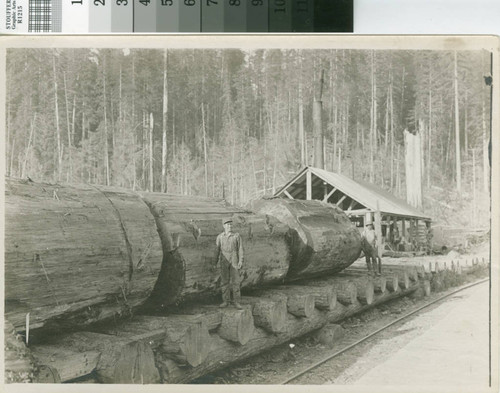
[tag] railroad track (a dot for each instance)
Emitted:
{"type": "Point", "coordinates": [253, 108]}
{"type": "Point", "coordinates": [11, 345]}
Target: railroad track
{"type": "Point", "coordinates": [332, 356]}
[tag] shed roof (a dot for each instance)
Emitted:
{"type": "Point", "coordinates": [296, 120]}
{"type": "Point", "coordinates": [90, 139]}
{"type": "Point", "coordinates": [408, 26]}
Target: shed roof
{"type": "Point", "coordinates": [364, 193]}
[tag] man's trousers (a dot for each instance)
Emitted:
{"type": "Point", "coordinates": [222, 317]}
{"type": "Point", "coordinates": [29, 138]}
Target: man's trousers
{"type": "Point", "coordinates": [230, 280]}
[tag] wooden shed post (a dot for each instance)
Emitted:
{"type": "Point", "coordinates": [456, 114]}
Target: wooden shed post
{"type": "Point", "coordinates": [378, 229]}
{"type": "Point", "coordinates": [403, 232]}
{"type": "Point", "coordinates": [308, 185]}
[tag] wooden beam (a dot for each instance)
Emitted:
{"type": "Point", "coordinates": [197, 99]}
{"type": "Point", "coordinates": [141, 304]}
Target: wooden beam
{"type": "Point", "coordinates": [341, 200]}
{"type": "Point", "coordinates": [308, 185]}
{"type": "Point", "coordinates": [288, 194]}
{"type": "Point", "coordinates": [351, 205]}
{"type": "Point", "coordinates": [325, 199]}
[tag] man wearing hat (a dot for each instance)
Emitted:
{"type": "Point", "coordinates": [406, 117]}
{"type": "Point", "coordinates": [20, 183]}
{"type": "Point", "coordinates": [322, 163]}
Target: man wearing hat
{"type": "Point", "coordinates": [370, 249]}
{"type": "Point", "coordinates": [230, 256]}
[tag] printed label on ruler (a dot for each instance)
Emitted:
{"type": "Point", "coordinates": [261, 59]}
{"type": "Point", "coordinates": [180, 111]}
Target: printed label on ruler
{"type": "Point", "coordinates": [15, 16]}
{"type": "Point", "coordinates": [100, 16]}
{"type": "Point", "coordinates": [75, 16]}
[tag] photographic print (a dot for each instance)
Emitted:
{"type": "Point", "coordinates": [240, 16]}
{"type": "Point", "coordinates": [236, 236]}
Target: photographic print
{"type": "Point", "coordinates": [244, 210]}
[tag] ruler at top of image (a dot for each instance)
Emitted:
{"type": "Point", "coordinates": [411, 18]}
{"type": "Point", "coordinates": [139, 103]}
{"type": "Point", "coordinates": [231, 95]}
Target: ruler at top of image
{"type": "Point", "coordinates": [170, 16]}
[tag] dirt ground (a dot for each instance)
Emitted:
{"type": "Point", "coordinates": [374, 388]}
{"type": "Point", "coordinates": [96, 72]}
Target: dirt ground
{"type": "Point", "coordinates": [278, 364]}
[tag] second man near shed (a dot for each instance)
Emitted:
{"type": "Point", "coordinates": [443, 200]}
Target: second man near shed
{"type": "Point", "coordinates": [229, 255]}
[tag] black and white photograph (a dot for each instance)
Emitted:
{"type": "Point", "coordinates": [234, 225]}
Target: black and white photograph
{"type": "Point", "coordinates": [251, 210]}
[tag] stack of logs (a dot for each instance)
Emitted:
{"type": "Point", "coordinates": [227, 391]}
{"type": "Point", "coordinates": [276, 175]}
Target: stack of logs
{"type": "Point", "coordinates": [85, 257]}
{"type": "Point", "coordinates": [192, 341]}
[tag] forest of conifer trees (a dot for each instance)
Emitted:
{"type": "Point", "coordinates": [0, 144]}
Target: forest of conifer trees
{"type": "Point", "coordinates": [238, 124]}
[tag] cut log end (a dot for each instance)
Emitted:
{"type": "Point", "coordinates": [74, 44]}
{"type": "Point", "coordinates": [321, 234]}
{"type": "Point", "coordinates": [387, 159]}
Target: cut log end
{"type": "Point", "coordinates": [301, 305]}
{"type": "Point", "coordinates": [237, 325]}
{"type": "Point", "coordinates": [392, 283]}
{"type": "Point", "coordinates": [380, 284]}
{"type": "Point", "coordinates": [270, 314]}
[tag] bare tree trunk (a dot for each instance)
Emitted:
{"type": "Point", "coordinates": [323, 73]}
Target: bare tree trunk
{"type": "Point", "coordinates": [466, 138]}
{"type": "Point", "coordinates": [134, 132]}
{"type": "Point", "coordinates": [143, 148]}
{"type": "Point", "coordinates": [485, 152]}
{"type": "Point", "coordinates": [474, 204]}
{"type": "Point", "coordinates": [106, 152]}
{"type": "Point", "coordinates": [68, 126]}
{"type": "Point", "coordinates": [205, 163]}
{"type": "Point", "coordinates": [151, 177]}
{"type": "Point", "coordinates": [58, 130]}
{"type": "Point", "coordinates": [9, 152]}
{"type": "Point", "coordinates": [164, 126]}
{"type": "Point", "coordinates": [387, 121]}
{"type": "Point", "coordinates": [32, 130]}
{"type": "Point", "coordinates": [429, 150]}
{"type": "Point", "coordinates": [392, 135]}
{"type": "Point", "coordinates": [457, 131]}
{"type": "Point", "coordinates": [301, 126]}
{"type": "Point", "coordinates": [372, 118]}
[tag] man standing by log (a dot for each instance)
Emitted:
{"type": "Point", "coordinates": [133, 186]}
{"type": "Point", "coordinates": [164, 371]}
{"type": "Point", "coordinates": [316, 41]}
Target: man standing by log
{"type": "Point", "coordinates": [370, 249]}
{"type": "Point", "coordinates": [229, 254]}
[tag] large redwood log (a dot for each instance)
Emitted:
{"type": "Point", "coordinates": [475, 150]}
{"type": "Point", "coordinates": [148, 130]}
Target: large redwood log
{"type": "Point", "coordinates": [324, 241]}
{"type": "Point", "coordinates": [188, 228]}
{"type": "Point", "coordinates": [76, 254]}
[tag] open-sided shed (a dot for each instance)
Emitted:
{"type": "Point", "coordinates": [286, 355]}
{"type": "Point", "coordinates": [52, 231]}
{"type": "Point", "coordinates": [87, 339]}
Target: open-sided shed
{"type": "Point", "coordinates": [402, 226]}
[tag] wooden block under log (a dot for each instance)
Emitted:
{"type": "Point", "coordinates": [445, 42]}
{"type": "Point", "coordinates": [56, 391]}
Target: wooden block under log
{"type": "Point", "coordinates": [299, 304]}
{"type": "Point", "coordinates": [268, 313]}
{"type": "Point", "coordinates": [380, 284]}
{"type": "Point", "coordinates": [69, 364]}
{"type": "Point", "coordinates": [423, 290]}
{"type": "Point", "coordinates": [402, 275]}
{"type": "Point", "coordinates": [410, 270]}
{"type": "Point", "coordinates": [345, 289]}
{"type": "Point", "coordinates": [329, 335]}
{"type": "Point", "coordinates": [237, 325]}
{"type": "Point", "coordinates": [392, 282]}
{"type": "Point", "coordinates": [224, 353]}
{"type": "Point", "coordinates": [365, 290]}
{"type": "Point", "coordinates": [325, 297]}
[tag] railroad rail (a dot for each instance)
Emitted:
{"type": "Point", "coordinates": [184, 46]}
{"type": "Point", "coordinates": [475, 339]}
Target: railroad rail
{"type": "Point", "coordinates": [371, 335]}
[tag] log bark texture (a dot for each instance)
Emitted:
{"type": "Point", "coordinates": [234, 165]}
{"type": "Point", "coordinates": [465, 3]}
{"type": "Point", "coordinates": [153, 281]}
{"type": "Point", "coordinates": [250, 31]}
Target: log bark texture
{"type": "Point", "coordinates": [300, 304]}
{"type": "Point", "coordinates": [324, 241]}
{"type": "Point", "coordinates": [76, 254]}
{"type": "Point", "coordinates": [188, 228]}
{"type": "Point", "coordinates": [122, 359]}
{"type": "Point", "coordinates": [325, 297]}
{"type": "Point", "coordinates": [268, 313]}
